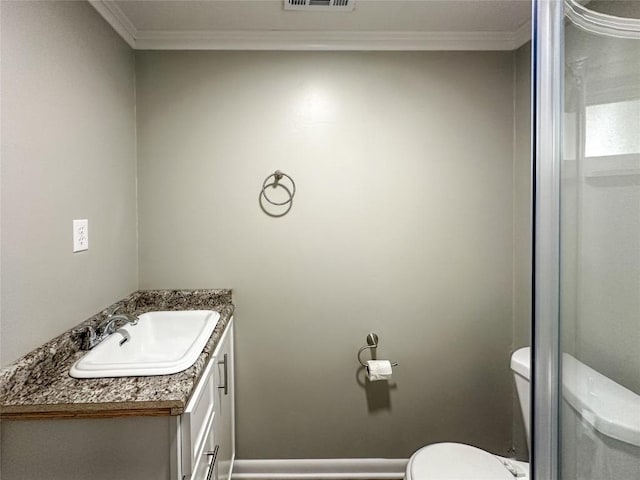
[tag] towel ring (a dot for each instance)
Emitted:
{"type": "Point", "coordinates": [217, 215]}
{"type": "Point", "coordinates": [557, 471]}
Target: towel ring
{"type": "Point", "coordinates": [277, 176]}
{"type": "Point", "coordinates": [289, 204]}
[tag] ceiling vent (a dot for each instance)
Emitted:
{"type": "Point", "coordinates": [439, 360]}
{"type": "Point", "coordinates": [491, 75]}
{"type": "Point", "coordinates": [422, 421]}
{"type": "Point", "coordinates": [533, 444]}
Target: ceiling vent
{"type": "Point", "coordinates": [320, 5]}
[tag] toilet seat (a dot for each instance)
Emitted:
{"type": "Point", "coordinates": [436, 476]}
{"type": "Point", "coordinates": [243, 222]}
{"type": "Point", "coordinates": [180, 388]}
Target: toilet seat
{"type": "Point", "coordinates": [456, 461]}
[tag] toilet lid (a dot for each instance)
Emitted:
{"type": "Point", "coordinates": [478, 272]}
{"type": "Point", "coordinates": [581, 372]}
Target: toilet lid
{"type": "Point", "coordinates": [455, 461]}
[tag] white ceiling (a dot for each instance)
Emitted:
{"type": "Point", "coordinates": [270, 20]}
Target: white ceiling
{"type": "Point", "coordinates": [372, 25]}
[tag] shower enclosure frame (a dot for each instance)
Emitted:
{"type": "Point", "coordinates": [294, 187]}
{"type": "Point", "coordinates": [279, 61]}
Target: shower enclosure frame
{"type": "Point", "coordinates": [547, 116]}
{"type": "Point", "coordinates": [548, 71]}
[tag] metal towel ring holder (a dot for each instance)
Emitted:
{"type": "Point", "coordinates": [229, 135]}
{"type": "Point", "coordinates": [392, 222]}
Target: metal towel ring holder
{"type": "Point", "coordinates": [274, 181]}
{"type": "Point", "coordinates": [277, 176]}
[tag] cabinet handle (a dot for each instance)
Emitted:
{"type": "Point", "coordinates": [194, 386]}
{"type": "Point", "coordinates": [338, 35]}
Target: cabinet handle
{"type": "Point", "coordinates": [212, 463]}
{"type": "Point", "coordinates": [226, 374]}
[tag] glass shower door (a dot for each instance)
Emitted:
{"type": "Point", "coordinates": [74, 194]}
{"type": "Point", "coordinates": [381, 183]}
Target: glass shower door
{"type": "Point", "coordinates": [599, 302]}
{"type": "Point", "coordinates": [586, 339]}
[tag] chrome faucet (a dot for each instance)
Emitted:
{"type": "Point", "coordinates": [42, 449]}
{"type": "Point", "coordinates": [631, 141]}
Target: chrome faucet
{"type": "Point", "coordinates": [108, 326]}
{"type": "Point", "coordinates": [91, 336]}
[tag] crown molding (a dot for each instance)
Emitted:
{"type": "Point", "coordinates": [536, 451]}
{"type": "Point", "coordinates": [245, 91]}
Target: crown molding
{"type": "Point", "coordinates": [306, 40]}
{"type": "Point", "coordinates": [522, 35]}
{"type": "Point", "coordinates": [117, 19]}
{"type": "Point", "coordinates": [322, 40]}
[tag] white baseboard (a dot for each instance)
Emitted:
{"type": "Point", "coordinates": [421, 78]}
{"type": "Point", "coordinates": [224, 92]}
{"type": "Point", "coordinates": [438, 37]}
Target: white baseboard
{"type": "Point", "coordinates": [320, 469]}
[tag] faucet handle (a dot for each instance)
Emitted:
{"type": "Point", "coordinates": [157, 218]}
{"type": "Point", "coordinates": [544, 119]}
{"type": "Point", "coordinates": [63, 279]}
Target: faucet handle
{"type": "Point", "coordinates": [107, 327]}
{"type": "Point", "coordinates": [115, 310]}
{"type": "Point", "coordinates": [87, 336]}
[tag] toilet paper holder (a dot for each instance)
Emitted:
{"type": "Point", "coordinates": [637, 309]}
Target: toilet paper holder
{"type": "Point", "coordinates": [372, 342]}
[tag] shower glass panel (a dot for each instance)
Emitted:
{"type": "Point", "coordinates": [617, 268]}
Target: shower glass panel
{"type": "Point", "coordinates": [599, 302]}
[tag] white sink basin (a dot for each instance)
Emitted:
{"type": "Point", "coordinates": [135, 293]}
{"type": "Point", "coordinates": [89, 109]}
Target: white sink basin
{"type": "Point", "coordinates": [160, 343]}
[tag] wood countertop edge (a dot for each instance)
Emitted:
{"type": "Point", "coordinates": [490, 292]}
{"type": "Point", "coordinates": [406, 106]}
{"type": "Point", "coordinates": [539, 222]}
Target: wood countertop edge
{"type": "Point", "coordinates": [91, 410]}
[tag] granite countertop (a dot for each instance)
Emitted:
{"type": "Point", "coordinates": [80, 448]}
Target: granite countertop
{"type": "Point", "coordinates": [38, 385]}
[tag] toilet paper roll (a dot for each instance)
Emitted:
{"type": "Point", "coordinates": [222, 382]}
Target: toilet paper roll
{"type": "Point", "coordinates": [378, 370]}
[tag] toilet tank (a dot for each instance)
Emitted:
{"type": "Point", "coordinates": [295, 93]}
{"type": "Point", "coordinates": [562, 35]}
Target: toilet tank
{"type": "Point", "coordinates": [521, 367]}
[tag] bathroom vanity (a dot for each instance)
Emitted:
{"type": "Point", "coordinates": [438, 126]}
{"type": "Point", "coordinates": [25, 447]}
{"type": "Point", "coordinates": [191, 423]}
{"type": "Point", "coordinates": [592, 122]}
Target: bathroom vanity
{"type": "Point", "coordinates": [173, 427]}
{"type": "Point", "coordinates": [204, 445]}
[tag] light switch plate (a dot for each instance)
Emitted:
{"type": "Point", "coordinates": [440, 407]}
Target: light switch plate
{"type": "Point", "coordinates": [80, 235]}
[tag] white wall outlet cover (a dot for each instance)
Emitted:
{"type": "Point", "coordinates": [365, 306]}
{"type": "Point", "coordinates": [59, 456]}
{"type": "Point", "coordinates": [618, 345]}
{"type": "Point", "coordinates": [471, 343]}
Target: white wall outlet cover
{"type": "Point", "coordinates": [80, 235]}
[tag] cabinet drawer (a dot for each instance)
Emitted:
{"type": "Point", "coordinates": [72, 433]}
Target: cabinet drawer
{"type": "Point", "coordinates": [206, 463]}
{"type": "Point", "coordinates": [196, 423]}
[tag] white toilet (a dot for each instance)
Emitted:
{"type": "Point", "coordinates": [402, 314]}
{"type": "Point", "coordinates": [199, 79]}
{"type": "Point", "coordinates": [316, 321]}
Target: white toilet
{"type": "Point", "coordinates": [456, 461]}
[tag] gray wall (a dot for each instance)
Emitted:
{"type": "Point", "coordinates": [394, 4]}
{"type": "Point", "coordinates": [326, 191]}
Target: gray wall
{"type": "Point", "coordinates": [402, 225]}
{"type": "Point", "coordinates": [522, 241]}
{"type": "Point", "coordinates": [522, 233]}
{"type": "Point", "coordinates": [409, 204]}
{"type": "Point", "coordinates": [68, 151]}
{"type": "Point", "coordinates": [131, 448]}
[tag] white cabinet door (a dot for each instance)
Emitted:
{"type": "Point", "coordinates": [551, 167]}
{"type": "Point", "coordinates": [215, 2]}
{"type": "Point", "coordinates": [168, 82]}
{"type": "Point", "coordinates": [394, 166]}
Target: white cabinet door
{"type": "Point", "coordinates": [196, 423]}
{"type": "Point", "coordinates": [206, 465]}
{"type": "Point", "coordinates": [207, 426]}
{"type": "Point", "coordinates": [224, 423]}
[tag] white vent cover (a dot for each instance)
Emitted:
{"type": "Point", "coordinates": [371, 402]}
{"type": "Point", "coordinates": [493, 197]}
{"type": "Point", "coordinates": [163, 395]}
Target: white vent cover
{"type": "Point", "coordinates": [317, 5]}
